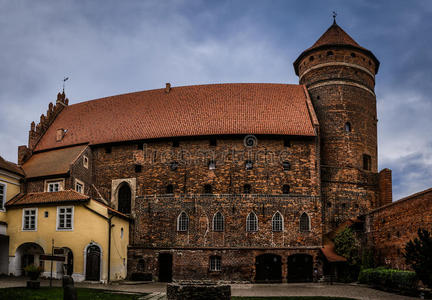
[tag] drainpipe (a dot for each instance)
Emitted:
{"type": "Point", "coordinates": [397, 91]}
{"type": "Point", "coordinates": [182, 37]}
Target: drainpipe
{"type": "Point", "coordinates": [109, 248]}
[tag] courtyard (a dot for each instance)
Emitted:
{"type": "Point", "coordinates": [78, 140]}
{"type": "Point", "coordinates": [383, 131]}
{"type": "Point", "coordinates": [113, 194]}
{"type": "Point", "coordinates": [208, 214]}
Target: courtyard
{"type": "Point", "coordinates": [157, 290]}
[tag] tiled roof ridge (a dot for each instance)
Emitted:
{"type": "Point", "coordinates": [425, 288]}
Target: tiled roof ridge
{"type": "Point", "coordinates": [181, 87]}
{"type": "Point", "coordinates": [10, 166]}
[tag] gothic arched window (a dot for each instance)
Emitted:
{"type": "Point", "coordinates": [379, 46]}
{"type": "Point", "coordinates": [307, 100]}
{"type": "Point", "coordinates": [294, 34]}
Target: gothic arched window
{"type": "Point", "coordinates": [183, 222]}
{"type": "Point", "coordinates": [124, 199]}
{"type": "Point", "coordinates": [252, 222]}
{"type": "Point", "coordinates": [304, 222]}
{"type": "Point", "coordinates": [218, 222]}
{"type": "Point", "coordinates": [277, 222]}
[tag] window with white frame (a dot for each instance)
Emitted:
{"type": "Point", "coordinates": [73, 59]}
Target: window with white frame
{"type": "Point", "coordinates": [85, 162]}
{"type": "Point", "coordinates": [2, 195]}
{"type": "Point", "coordinates": [218, 222]}
{"type": "Point", "coordinates": [79, 186]}
{"type": "Point", "coordinates": [215, 263]}
{"type": "Point", "coordinates": [65, 218]}
{"type": "Point", "coordinates": [29, 219]}
{"type": "Point", "coordinates": [183, 222]}
{"type": "Point", "coordinates": [53, 186]}
{"type": "Point", "coordinates": [252, 222]}
{"type": "Point", "coordinates": [277, 222]}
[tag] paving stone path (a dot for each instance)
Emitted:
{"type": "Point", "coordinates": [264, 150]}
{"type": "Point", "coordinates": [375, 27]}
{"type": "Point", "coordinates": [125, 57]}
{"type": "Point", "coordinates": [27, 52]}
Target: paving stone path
{"type": "Point", "coordinates": [157, 290]}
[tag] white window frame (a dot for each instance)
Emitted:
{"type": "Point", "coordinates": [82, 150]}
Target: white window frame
{"type": "Point", "coordinates": [248, 229]}
{"type": "Point", "coordinates": [23, 218]}
{"type": "Point", "coordinates": [85, 161]}
{"type": "Point", "coordinates": [282, 221]}
{"type": "Point", "coordinates": [178, 222]}
{"type": "Point", "coordinates": [215, 263]}
{"type": "Point", "coordinates": [58, 218]}
{"type": "Point", "coordinates": [223, 222]}
{"type": "Point", "coordinates": [3, 200]}
{"type": "Point", "coordinates": [79, 182]}
{"type": "Point", "coordinates": [60, 182]}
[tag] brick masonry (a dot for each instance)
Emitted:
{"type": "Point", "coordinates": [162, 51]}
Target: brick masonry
{"type": "Point", "coordinates": [391, 226]}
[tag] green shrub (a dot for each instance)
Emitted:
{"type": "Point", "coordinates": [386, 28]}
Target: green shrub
{"type": "Point", "coordinates": [33, 271]}
{"type": "Point", "coordinates": [389, 278]}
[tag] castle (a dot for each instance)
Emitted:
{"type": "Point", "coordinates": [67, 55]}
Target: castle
{"type": "Point", "coordinates": [236, 182]}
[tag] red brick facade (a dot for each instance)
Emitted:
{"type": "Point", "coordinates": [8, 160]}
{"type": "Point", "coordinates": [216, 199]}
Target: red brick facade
{"type": "Point", "coordinates": [391, 226]}
{"type": "Point", "coordinates": [311, 165]}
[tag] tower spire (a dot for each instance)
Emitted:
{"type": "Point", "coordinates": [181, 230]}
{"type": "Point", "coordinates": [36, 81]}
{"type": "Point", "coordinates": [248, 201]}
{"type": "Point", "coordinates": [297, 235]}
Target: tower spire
{"type": "Point", "coordinates": [334, 17]}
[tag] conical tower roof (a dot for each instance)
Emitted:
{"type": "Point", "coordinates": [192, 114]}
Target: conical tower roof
{"type": "Point", "coordinates": [335, 36]}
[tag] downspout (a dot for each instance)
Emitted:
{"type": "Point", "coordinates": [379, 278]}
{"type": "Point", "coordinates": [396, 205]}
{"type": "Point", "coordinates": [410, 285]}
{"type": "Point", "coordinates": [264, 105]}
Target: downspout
{"type": "Point", "coordinates": [110, 225]}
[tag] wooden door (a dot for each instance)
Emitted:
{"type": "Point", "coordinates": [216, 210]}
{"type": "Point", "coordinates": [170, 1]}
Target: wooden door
{"type": "Point", "coordinates": [93, 263]}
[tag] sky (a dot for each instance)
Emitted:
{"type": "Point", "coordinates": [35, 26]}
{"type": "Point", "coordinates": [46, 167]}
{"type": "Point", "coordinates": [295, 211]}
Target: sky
{"type": "Point", "coordinates": [109, 47]}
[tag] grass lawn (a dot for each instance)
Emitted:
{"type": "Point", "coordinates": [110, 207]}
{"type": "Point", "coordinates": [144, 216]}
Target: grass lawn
{"type": "Point", "coordinates": [56, 293]}
{"type": "Point", "coordinates": [291, 298]}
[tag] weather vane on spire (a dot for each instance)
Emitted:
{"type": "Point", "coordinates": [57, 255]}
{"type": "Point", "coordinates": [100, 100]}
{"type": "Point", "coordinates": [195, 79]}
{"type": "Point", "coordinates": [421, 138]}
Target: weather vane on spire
{"type": "Point", "coordinates": [334, 17]}
{"type": "Point", "coordinates": [64, 82]}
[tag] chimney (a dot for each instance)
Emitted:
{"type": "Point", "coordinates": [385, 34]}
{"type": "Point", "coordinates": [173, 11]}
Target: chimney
{"type": "Point", "coordinates": [167, 87]}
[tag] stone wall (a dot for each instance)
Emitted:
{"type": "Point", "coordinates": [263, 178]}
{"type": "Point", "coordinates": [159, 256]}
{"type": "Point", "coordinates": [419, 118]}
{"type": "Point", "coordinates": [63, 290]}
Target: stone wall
{"type": "Point", "coordinates": [390, 227]}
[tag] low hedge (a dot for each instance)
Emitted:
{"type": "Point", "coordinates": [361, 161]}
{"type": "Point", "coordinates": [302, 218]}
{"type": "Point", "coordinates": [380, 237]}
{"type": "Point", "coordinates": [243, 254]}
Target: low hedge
{"type": "Point", "coordinates": [389, 279]}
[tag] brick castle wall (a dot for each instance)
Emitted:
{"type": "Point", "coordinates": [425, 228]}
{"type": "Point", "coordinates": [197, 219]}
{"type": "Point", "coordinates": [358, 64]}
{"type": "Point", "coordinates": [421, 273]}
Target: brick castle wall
{"type": "Point", "coordinates": [390, 227]}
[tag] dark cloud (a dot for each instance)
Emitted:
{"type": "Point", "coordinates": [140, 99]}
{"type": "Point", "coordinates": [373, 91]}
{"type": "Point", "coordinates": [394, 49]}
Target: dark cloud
{"type": "Point", "coordinates": [111, 47]}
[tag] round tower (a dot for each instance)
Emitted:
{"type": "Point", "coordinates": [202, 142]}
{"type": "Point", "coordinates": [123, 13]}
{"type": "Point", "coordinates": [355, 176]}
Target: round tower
{"type": "Point", "coordinates": [340, 77]}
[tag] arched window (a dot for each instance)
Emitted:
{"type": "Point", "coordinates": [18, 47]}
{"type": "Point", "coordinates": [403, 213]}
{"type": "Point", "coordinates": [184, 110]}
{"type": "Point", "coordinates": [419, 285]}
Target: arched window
{"type": "Point", "coordinates": [304, 222]}
{"type": "Point", "coordinates": [218, 222]}
{"type": "Point", "coordinates": [183, 222]}
{"type": "Point", "coordinates": [285, 189]}
{"type": "Point", "coordinates": [247, 189]}
{"type": "Point", "coordinates": [124, 199]}
{"type": "Point", "coordinates": [347, 127]}
{"type": "Point", "coordinates": [208, 189]}
{"type": "Point", "coordinates": [252, 222]}
{"type": "Point", "coordinates": [277, 222]}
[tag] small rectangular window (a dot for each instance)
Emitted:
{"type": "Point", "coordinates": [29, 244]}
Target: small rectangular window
{"type": "Point", "coordinates": [212, 165]}
{"type": "Point", "coordinates": [79, 187]}
{"type": "Point", "coordinates": [29, 219]}
{"type": "Point", "coordinates": [138, 168]}
{"type": "Point", "coordinates": [2, 195]}
{"type": "Point", "coordinates": [248, 165]}
{"type": "Point", "coordinates": [215, 263]}
{"type": "Point", "coordinates": [367, 162]}
{"type": "Point", "coordinates": [65, 218]}
{"type": "Point", "coordinates": [53, 186]}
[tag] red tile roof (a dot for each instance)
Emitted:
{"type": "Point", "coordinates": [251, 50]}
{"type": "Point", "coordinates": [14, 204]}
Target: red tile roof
{"type": "Point", "coordinates": [56, 162]}
{"type": "Point", "coordinates": [47, 198]}
{"type": "Point", "coordinates": [10, 166]}
{"type": "Point", "coordinates": [335, 36]}
{"type": "Point", "coordinates": [243, 108]}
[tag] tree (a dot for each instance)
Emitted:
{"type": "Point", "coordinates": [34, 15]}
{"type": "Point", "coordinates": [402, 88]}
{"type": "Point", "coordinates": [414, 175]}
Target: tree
{"type": "Point", "coordinates": [347, 246]}
{"type": "Point", "coordinates": [418, 254]}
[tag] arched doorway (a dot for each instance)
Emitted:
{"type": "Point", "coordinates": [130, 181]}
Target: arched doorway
{"type": "Point", "coordinates": [165, 267]}
{"type": "Point", "coordinates": [124, 198]}
{"type": "Point", "coordinates": [27, 254]}
{"type": "Point", "coordinates": [268, 268]}
{"type": "Point", "coordinates": [93, 258]}
{"type": "Point", "coordinates": [300, 268]}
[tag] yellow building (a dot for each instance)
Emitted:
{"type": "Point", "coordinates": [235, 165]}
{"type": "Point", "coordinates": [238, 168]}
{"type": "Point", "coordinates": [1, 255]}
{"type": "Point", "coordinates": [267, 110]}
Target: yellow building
{"type": "Point", "coordinates": [10, 178]}
{"type": "Point", "coordinates": [74, 226]}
